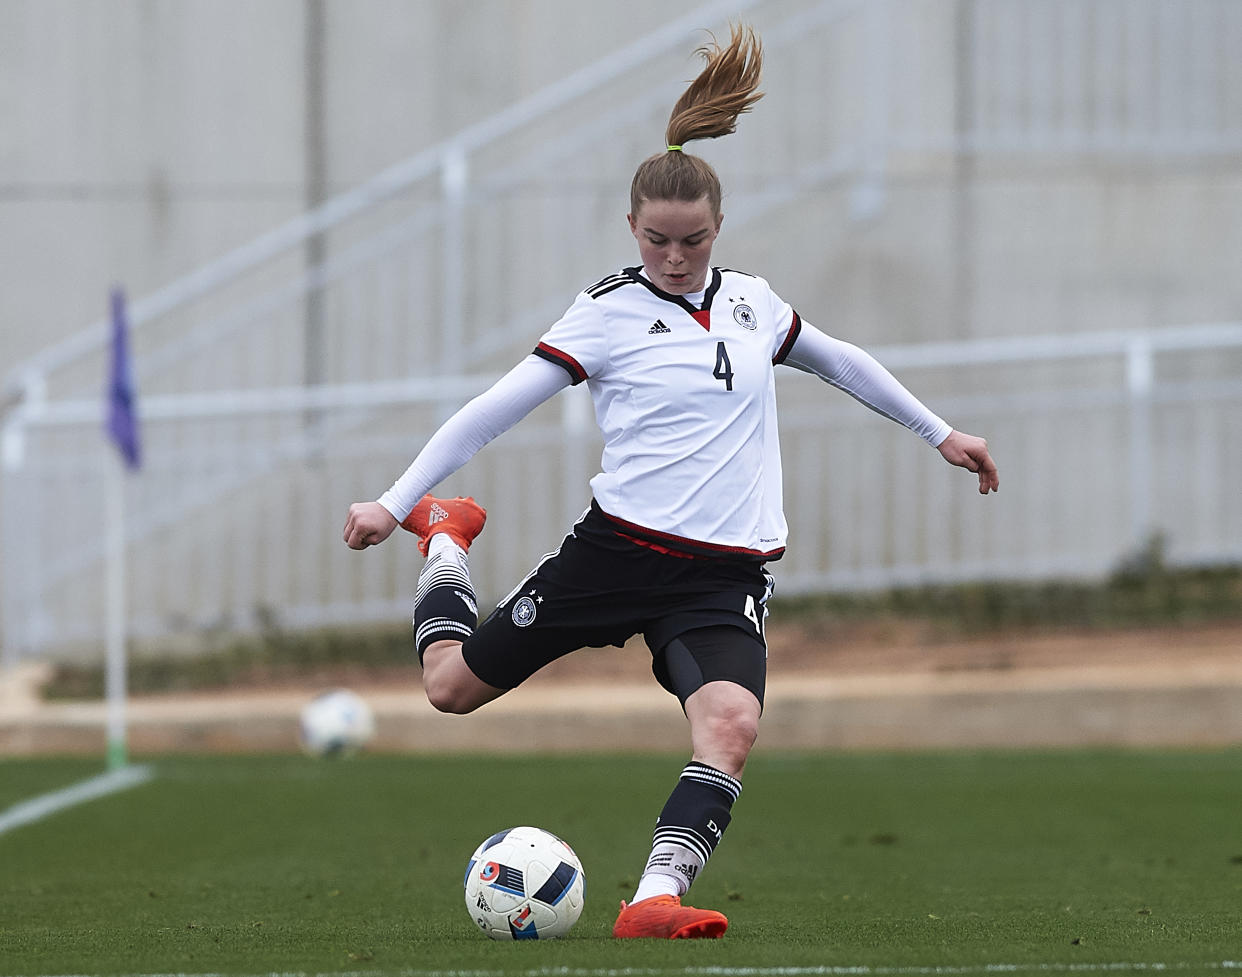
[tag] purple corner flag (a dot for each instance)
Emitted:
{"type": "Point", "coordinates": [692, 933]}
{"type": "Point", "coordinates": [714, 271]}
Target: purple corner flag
{"type": "Point", "coordinates": [122, 422]}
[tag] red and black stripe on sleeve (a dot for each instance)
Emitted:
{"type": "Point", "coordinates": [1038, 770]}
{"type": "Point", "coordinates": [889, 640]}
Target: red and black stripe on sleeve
{"type": "Point", "coordinates": [791, 337]}
{"type": "Point", "coordinates": [571, 366]}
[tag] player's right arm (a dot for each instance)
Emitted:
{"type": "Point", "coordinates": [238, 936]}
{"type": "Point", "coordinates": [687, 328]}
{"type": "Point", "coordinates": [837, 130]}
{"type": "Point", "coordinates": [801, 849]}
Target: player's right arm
{"type": "Point", "coordinates": [458, 439]}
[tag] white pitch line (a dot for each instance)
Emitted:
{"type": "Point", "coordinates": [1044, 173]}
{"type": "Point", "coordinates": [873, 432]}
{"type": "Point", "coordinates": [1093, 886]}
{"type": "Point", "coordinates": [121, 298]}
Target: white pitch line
{"type": "Point", "coordinates": [841, 970]}
{"type": "Point", "coordinates": [38, 808]}
{"type": "Point", "coordinates": [826, 970]}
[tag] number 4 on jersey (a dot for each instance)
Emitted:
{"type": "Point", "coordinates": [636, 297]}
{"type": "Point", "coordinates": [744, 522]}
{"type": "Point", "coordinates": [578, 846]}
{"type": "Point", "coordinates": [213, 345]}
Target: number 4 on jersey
{"type": "Point", "coordinates": [724, 369]}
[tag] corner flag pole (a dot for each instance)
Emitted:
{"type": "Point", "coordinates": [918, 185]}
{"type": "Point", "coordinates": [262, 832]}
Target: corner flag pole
{"type": "Point", "coordinates": [116, 627]}
{"type": "Point", "coordinates": [121, 425]}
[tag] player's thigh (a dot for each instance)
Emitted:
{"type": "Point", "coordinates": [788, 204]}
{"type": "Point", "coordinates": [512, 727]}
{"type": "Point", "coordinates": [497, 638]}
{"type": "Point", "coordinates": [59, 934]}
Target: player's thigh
{"type": "Point", "coordinates": [721, 652]}
{"type": "Point", "coordinates": [565, 605]}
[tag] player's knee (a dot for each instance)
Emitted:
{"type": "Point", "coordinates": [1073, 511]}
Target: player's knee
{"type": "Point", "coordinates": [742, 729]}
{"type": "Point", "coordinates": [441, 699]}
{"type": "Point", "coordinates": [443, 679]}
{"type": "Point", "coordinates": [451, 686]}
{"type": "Point", "coordinates": [727, 736]}
{"type": "Point", "coordinates": [449, 698]}
{"type": "Point", "coordinates": [447, 692]}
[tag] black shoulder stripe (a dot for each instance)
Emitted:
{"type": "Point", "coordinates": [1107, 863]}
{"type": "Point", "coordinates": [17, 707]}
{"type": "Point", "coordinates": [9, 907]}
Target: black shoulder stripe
{"type": "Point", "coordinates": [606, 285]}
{"type": "Point", "coordinates": [601, 292]}
{"type": "Point", "coordinates": [736, 272]}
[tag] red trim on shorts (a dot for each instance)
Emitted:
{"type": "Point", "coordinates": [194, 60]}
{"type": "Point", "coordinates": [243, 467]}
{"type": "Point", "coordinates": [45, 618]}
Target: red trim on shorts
{"type": "Point", "coordinates": [681, 546]}
{"type": "Point", "coordinates": [656, 546]}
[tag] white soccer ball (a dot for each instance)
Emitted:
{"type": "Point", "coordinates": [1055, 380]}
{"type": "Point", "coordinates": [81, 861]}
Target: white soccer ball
{"type": "Point", "coordinates": [336, 723]}
{"type": "Point", "coordinates": [524, 884]}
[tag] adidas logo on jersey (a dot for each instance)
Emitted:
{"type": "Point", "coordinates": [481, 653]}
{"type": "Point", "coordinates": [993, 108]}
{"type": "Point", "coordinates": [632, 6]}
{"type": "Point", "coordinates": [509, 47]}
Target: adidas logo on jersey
{"type": "Point", "coordinates": [658, 328]}
{"type": "Point", "coordinates": [437, 514]}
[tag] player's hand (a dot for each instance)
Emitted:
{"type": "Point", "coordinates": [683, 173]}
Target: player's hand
{"type": "Point", "coordinates": [368, 523]}
{"type": "Point", "coordinates": [969, 452]}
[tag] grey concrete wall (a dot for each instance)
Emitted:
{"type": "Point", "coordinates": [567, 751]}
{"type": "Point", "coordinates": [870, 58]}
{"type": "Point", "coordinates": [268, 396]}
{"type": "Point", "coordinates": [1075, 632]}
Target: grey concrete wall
{"type": "Point", "coordinates": [139, 140]}
{"type": "Point", "coordinates": [142, 138]}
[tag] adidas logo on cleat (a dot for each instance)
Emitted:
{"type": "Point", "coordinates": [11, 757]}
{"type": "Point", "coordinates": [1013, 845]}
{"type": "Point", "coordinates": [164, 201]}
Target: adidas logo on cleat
{"type": "Point", "coordinates": [461, 518]}
{"type": "Point", "coordinates": [658, 328]}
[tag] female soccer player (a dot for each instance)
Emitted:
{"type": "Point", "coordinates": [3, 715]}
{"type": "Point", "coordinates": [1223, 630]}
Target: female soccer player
{"type": "Point", "coordinates": [686, 510]}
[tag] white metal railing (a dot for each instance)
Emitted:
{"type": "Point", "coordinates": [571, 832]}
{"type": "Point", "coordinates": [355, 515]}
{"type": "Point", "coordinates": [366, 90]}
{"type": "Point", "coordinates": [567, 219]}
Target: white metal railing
{"type": "Point", "coordinates": [1095, 435]}
{"type": "Point", "coordinates": [1066, 506]}
{"type": "Point", "coordinates": [240, 436]}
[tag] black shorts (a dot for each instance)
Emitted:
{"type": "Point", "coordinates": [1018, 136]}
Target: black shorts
{"type": "Point", "coordinates": [600, 589]}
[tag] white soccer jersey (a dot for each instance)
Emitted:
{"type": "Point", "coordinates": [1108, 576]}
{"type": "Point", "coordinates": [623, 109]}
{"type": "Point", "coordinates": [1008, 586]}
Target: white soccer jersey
{"type": "Point", "coordinates": [685, 397]}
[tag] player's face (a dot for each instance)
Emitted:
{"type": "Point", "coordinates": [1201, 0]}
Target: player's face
{"type": "Point", "coordinates": [675, 240]}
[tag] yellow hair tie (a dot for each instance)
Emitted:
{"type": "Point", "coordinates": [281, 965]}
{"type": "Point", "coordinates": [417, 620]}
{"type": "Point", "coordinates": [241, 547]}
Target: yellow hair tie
{"type": "Point", "coordinates": [674, 149]}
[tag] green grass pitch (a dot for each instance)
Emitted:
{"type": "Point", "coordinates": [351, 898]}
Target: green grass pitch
{"type": "Point", "coordinates": [1016, 863]}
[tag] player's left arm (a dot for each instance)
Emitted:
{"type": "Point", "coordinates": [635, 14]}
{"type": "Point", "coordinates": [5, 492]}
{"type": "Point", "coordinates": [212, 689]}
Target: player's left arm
{"type": "Point", "coordinates": [971, 452]}
{"type": "Point", "coordinates": [863, 377]}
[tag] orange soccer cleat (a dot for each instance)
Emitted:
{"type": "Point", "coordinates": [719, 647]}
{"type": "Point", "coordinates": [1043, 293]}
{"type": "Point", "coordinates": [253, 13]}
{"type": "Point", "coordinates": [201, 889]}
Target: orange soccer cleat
{"type": "Point", "coordinates": [665, 918]}
{"type": "Point", "coordinates": [461, 518]}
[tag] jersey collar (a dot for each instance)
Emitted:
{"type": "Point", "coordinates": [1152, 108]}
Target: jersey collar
{"type": "Point", "coordinates": [700, 315]}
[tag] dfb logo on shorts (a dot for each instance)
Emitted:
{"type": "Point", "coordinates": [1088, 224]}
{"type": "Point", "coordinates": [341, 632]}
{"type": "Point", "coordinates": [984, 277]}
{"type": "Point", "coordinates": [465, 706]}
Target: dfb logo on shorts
{"type": "Point", "coordinates": [523, 612]}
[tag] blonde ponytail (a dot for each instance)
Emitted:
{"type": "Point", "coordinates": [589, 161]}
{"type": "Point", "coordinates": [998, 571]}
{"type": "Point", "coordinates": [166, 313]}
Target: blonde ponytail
{"type": "Point", "coordinates": [725, 88]}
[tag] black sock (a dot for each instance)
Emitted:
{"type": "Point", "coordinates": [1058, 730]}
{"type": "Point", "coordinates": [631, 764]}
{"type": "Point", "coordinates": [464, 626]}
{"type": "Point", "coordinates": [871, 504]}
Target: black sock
{"type": "Point", "coordinates": [444, 607]}
{"type": "Point", "coordinates": [692, 822]}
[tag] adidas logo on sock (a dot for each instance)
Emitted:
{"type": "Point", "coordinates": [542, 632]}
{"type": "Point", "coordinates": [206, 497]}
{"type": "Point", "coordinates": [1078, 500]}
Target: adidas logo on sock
{"type": "Point", "coordinates": [657, 328]}
{"type": "Point", "coordinates": [437, 514]}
